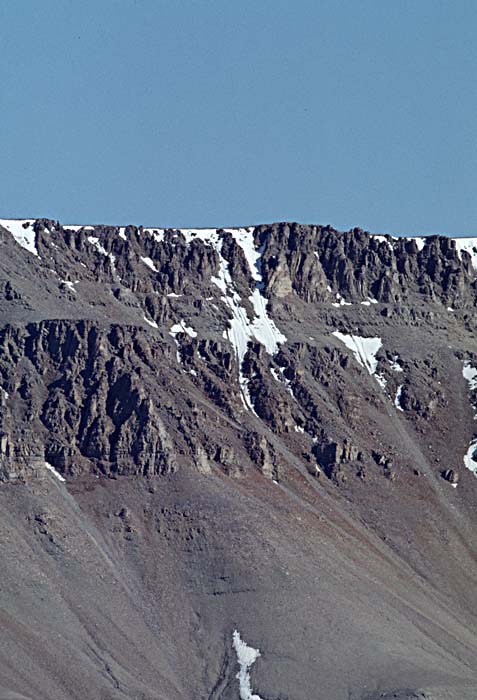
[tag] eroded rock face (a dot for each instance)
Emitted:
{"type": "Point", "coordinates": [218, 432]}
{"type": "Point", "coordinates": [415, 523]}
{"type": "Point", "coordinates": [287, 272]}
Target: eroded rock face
{"type": "Point", "coordinates": [131, 351]}
{"type": "Point", "coordinates": [254, 425]}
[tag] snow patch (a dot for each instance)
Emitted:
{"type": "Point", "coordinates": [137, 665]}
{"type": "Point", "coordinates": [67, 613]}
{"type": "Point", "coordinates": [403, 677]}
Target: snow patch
{"type": "Point", "coordinates": [182, 328]}
{"type": "Point", "coordinates": [246, 657]}
{"type": "Point", "coordinates": [364, 350]}
{"type": "Point", "coordinates": [147, 261]}
{"type": "Point", "coordinates": [470, 247]}
{"type": "Point", "coordinates": [70, 285]}
{"type": "Point", "coordinates": [151, 322]}
{"type": "Point", "coordinates": [381, 380]}
{"type": "Point", "coordinates": [470, 458]}
{"type": "Point", "coordinates": [156, 233]}
{"type": "Point", "coordinates": [420, 242]}
{"type": "Point", "coordinates": [23, 233]}
{"type": "Point", "coordinates": [78, 228]}
{"type": "Point", "coordinates": [52, 469]}
{"type": "Point", "coordinates": [382, 239]}
{"type": "Point", "coordinates": [340, 301]}
{"type": "Point", "coordinates": [262, 328]}
{"type": "Point", "coordinates": [282, 379]}
{"type": "Point", "coordinates": [397, 398]}
{"type": "Point", "coordinates": [470, 374]}
{"type": "Point", "coordinates": [394, 365]}
{"type": "Point", "coordinates": [101, 249]}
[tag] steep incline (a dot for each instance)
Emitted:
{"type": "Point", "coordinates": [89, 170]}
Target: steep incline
{"type": "Point", "coordinates": [267, 430]}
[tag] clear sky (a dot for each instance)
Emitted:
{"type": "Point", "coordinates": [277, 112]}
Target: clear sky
{"type": "Point", "coordinates": [219, 112]}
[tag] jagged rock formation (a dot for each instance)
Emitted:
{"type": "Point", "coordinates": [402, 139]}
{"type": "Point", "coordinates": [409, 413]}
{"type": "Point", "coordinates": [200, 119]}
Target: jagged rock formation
{"type": "Point", "coordinates": [258, 429]}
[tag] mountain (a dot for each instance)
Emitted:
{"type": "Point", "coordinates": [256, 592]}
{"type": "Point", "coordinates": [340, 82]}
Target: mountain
{"type": "Point", "coordinates": [237, 463]}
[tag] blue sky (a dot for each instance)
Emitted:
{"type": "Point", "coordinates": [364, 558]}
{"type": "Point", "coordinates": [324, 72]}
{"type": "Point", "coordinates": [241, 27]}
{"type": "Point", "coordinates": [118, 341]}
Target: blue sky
{"type": "Point", "coordinates": [214, 113]}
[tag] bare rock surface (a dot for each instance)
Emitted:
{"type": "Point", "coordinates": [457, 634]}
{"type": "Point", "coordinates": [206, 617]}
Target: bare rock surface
{"type": "Point", "coordinates": [267, 430]}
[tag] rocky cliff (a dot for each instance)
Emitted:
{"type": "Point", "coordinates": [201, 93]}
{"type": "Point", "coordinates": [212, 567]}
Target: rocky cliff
{"type": "Point", "coordinates": [267, 429]}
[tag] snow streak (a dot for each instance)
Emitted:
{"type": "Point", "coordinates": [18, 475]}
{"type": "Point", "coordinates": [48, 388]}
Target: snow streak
{"type": "Point", "coordinates": [22, 232]}
{"type": "Point", "coordinates": [470, 458]}
{"type": "Point", "coordinates": [364, 351]}
{"type": "Point", "coordinates": [246, 657]}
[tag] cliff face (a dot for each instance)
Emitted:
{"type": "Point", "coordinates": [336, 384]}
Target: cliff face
{"type": "Point", "coordinates": [219, 402]}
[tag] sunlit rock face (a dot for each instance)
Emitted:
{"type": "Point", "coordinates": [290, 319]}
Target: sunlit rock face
{"type": "Point", "coordinates": [214, 442]}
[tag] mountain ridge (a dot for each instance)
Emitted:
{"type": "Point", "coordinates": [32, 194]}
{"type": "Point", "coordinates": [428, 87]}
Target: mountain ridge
{"type": "Point", "coordinates": [267, 430]}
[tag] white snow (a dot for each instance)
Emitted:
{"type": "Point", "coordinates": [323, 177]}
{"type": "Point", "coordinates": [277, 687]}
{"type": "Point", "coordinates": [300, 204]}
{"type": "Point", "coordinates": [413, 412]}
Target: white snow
{"type": "Point", "coordinates": [470, 373]}
{"type": "Point", "coordinates": [262, 328]}
{"type": "Point", "coordinates": [122, 233]}
{"type": "Point", "coordinates": [241, 330]}
{"type": "Point", "coordinates": [470, 459]}
{"type": "Point", "coordinates": [340, 301]}
{"type": "Point", "coordinates": [151, 323]}
{"type": "Point", "coordinates": [299, 429]}
{"type": "Point", "coordinates": [78, 228]}
{"type": "Point", "coordinates": [70, 285]}
{"type": "Point", "coordinates": [244, 237]}
{"type": "Point", "coordinates": [207, 235]}
{"type": "Point", "coordinates": [101, 249]}
{"type": "Point", "coordinates": [6, 395]}
{"type": "Point", "coordinates": [156, 233]}
{"type": "Point", "coordinates": [246, 657]}
{"type": "Point", "coordinates": [23, 236]}
{"type": "Point", "coordinates": [182, 328]}
{"type": "Point", "coordinates": [395, 366]}
{"type": "Point", "coordinates": [469, 245]}
{"type": "Point", "coordinates": [364, 349]}
{"type": "Point", "coordinates": [172, 295]}
{"type": "Point", "coordinates": [52, 469]}
{"type": "Point", "coordinates": [420, 242]}
{"type": "Point", "coordinates": [382, 239]}
{"type": "Point", "coordinates": [381, 380]}
{"type": "Point", "coordinates": [397, 398]}
{"type": "Point", "coordinates": [147, 261]}
{"type": "Point", "coordinates": [95, 241]}
{"type": "Point", "coordinates": [282, 379]}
